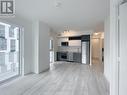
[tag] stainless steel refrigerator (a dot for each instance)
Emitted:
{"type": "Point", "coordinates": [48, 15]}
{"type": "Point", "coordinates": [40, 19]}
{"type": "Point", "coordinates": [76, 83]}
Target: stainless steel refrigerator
{"type": "Point", "coordinates": [85, 52]}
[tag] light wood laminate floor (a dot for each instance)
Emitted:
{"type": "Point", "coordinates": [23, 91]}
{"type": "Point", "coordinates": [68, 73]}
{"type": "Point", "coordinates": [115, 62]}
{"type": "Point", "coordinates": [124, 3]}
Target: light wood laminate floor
{"type": "Point", "coordinates": [62, 79]}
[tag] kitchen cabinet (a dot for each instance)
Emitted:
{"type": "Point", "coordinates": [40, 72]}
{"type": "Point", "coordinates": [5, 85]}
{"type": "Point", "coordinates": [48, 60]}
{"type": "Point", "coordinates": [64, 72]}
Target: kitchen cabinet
{"type": "Point", "coordinates": [75, 38]}
{"type": "Point", "coordinates": [74, 42]}
{"type": "Point", "coordinates": [77, 57]}
{"type": "Point", "coordinates": [64, 39]}
{"type": "Point", "coordinates": [69, 56]}
{"type": "Point", "coordinates": [62, 56]}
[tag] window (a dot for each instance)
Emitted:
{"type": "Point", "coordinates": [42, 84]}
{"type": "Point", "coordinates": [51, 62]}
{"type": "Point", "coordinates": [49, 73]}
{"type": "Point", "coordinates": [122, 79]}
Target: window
{"type": "Point", "coordinates": [12, 45]}
{"type": "Point", "coordinates": [9, 51]}
{"type": "Point", "coordinates": [2, 59]}
{"type": "Point", "coordinates": [11, 32]}
{"type": "Point", "coordinates": [51, 51]}
{"type": "Point", "coordinates": [51, 44]}
{"type": "Point", "coordinates": [3, 44]}
{"type": "Point", "coordinates": [2, 31]}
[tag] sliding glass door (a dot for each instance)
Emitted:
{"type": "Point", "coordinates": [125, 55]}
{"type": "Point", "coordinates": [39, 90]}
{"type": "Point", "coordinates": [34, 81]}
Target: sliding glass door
{"type": "Point", "coordinates": [9, 51]}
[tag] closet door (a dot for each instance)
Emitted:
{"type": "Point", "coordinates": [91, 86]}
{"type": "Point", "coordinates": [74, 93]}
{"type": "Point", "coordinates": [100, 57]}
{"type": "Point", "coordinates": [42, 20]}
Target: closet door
{"type": "Point", "coordinates": [123, 50]}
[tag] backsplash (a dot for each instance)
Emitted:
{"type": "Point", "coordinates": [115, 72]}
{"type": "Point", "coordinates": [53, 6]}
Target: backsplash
{"type": "Point", "coordinates": [70, 49]}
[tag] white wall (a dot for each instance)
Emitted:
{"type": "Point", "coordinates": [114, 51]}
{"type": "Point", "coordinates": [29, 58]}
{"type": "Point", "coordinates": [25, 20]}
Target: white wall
{"type": "Point", "coordinates": [107, 65]}
{"type": "Point", "coordinates": [44, 60]}
{"type": "Point", "coordinates": [114, 89]}
{"type": "Point", "coordinates": [41, 46]}
{"type": "Point", "coordinates": [28, 58]}
{"type": "Point", "coordinates": [111, 49]}
{"type": "Point", "coordinates": [35, 32]}
{"type": "Point", "coordinates": [96, 48]}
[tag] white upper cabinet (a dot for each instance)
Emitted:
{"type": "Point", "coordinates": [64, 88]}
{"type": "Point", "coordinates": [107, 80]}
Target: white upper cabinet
{"type": "Point", "coordinates": [71, 42]}
{"type": "Point", "coordinates": [64, 39]}
{"type": "Point", "coordinates": [74, 42]}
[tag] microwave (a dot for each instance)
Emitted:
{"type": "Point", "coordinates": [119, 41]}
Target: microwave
{"type": "Point", "coordinates": [64, 43]}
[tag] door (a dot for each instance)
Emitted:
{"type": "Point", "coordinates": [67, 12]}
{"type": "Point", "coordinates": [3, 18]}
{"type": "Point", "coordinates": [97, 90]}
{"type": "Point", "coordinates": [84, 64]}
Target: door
{"type": "Point", "coordinates": [9, 51]}
{"type": "Point", "coordinates": [123, 50]}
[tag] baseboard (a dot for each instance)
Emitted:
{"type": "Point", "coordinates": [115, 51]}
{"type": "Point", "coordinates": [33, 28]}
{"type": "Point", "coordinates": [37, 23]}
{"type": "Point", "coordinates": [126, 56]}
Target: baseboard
{"type": "Point", "coordinates": [28, 74]}
{"type": "Point", "coordinates": [44, 70]}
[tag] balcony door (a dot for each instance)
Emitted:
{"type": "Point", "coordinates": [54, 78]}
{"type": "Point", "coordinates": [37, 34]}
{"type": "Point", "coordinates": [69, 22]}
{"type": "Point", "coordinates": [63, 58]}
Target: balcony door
{"type": "Point", "coordinates": [9, 51]}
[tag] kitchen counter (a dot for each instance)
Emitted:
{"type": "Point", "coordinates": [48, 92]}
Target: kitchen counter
{"type": "Point", "coordinates": [69, 56]}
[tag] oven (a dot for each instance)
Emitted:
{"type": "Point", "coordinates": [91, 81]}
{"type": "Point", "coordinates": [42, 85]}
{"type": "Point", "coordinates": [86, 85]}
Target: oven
{"type": "Point", "coordinates": [62, 56]}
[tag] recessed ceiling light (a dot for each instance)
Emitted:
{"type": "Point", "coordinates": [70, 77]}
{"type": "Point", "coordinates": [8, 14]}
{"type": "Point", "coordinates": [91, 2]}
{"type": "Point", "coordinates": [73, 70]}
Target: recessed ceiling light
{"type": "Point", "coordinates": [95, 33]}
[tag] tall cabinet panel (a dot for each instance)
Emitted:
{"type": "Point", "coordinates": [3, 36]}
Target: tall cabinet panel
{"type": "Point", "coordinates": [86, 49]}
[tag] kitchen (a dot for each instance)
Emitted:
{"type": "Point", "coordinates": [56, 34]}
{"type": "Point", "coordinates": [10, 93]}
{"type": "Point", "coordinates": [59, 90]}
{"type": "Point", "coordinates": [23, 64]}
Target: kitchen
{"type": "Point", "coordinates": [73, 47]}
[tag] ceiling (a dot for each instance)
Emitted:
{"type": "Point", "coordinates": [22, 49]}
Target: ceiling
{"type": "Point", "coordinates": [65, 14]}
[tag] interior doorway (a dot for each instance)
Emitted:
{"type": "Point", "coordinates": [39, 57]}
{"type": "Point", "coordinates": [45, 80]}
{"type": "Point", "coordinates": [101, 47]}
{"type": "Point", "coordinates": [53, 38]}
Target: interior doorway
{"type": "Point", "coordinates": [97, 41]}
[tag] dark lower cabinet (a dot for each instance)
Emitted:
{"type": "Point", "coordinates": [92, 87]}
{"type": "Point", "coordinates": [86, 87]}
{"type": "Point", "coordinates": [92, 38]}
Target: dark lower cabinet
{"type": "Point", "coordinates": [77, 57]}
{"type": "Point", "coordinates": [62, 56]}
{"type": "Point", "coordinates": [65, 56]}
